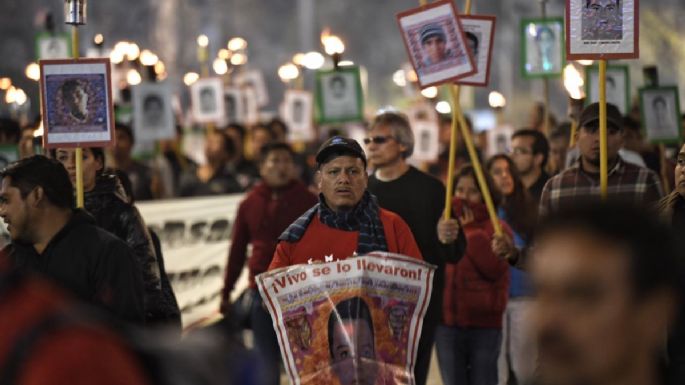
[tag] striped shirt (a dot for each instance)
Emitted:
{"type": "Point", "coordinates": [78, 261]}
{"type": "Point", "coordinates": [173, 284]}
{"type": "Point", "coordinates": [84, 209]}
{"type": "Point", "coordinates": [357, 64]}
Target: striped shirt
{"type": "Point", "coordinates": [626, 181]}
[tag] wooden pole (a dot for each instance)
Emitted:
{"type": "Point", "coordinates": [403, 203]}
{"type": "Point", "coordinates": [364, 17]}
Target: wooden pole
{"type": "Point", "coordinates": [663, 169]}
{"type": "Point", "coordinates": [603, 152]}
{"type": "Point", "coordinates": [79, 150]}
{"type": "Point", "coordinates": [545, 115]}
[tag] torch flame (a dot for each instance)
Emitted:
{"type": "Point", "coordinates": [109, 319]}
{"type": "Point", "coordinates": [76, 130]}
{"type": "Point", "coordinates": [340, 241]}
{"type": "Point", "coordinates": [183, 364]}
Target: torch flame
{"type": "Point", "coordinates": [573, 82]}
{"type": "Point", "coordinates": [332, 44]}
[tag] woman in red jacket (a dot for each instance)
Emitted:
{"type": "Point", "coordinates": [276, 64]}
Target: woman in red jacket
{"type": "Point", "coordinates": [476, 290]}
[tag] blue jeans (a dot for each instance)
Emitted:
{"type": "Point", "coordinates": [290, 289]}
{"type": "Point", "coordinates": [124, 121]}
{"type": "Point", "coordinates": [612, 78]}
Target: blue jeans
{"type": "Point", "coordinates": [265, 341]}
{"type": "Point", "coordinates": [468, 356]}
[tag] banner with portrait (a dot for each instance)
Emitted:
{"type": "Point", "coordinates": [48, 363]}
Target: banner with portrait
{"type": "Point", "coordinates": [435, 41]}
{"type": "Point", "coordinates": [153, 117]}
{"type": "Point", "coordinates": [207, 100]}
{"type": "Point", "coordinates": [77, 103]}
{"type": "Point", "coordinates": [53, 45]}
{"type": "Point", "coordinates": [356, 321]}
{"type": "Point", "coordinates": [297, 114]}
{"type": "Point", "coordinates": [602, 29]}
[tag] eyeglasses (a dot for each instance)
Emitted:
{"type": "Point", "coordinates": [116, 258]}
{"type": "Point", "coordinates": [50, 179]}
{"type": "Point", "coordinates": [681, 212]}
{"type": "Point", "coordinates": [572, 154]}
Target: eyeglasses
{"type": "Point", "coordinates": [377, 139]}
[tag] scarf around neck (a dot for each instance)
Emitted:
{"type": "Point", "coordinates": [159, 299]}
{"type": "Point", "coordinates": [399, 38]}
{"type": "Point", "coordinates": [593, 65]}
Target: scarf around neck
{"type": "Point", "coordinates": [365, 218]}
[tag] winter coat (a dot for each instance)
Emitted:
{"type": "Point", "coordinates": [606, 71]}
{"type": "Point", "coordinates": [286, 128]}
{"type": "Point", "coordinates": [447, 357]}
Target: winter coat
{"type": "Point", "coordinates": [108, 203]}
{"type": "Point", "coordinates": [476, 288]}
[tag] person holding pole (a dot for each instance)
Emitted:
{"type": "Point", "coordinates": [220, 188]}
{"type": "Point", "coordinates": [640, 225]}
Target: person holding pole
{"type": "Point", "coordinates": [419, 199]}
{"type": "Point", "coordinates": [582, 181]}
{"type": "Point", "coordinates": [475, 297]}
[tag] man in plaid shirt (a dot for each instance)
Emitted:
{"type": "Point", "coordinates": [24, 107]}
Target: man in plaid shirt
{"type": "Point", "coordinates": [581, 181]}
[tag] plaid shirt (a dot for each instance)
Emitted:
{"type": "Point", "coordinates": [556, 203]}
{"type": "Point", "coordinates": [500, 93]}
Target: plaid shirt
{"type": "Point", "coordinates": [626, 181]}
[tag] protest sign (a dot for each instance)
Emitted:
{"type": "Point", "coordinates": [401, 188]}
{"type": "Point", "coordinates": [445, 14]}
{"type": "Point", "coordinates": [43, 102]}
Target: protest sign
{"type": "Point", "coordinates": [353, 321]}
{"type": "Point", "coordinates": [195, 238]}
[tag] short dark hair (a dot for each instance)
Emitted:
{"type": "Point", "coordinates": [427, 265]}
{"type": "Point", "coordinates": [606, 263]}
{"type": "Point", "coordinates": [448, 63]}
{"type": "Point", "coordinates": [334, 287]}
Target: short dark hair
{"type": "Point", "coordinates": [540, 143]}
{"type": "Point", "coordinates": [228, 145]}
{"type": "Point", "coordinates": [337, 79]}
{"type": "Point", "coordinates": [472, 36]}
{"type": "Point", "coordinates": [98, 154]}
{"type": "Point", "coordinates": [587, 3]}
{"type": "Point", "coordinates": [353, 308]}
{"type": "Point", "coordinates": [152, 98]}
{"type": "Point", "coordinates": [274, 146]}
{"type": "Point", "coordinates": [659, 99]}
{"type": "Point", "coordinates": [69, 86]}
{"type": "Point", "coordinates": [239, 128]}
{"type": "Point", "coordinates": [39, 171]}
{"type": "Point", "coordinates": [653, 262]}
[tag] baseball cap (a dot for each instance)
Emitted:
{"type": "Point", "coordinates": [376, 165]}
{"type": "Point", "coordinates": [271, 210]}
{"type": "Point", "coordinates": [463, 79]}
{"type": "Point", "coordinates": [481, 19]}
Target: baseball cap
{"type": "Point", "coordinates": [591, 114]}
{"type": "Point", "coordinates": [431, 30]}
{"type": "Point", "coordinates": [339, 146]}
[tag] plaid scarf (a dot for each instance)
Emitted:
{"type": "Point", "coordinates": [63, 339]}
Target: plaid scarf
{"type": "Point", "coordinates": [364, 218]}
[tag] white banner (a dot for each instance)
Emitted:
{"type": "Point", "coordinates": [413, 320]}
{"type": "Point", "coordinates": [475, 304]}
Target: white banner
{"type": "Point", "coordinates": [195, 234]}
{"type": "Point", "coordinates": [352, 321]}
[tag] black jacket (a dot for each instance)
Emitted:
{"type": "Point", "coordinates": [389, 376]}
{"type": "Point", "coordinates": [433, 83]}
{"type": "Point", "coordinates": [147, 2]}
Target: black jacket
{"type": "Point", "coordinates": [93, 264]}
{"type": "Point", "coordinates": [108, 203]}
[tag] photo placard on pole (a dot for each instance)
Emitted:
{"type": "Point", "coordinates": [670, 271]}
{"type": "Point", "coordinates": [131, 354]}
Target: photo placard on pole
{"type": "Point", "coordinates": [602, 29]}
{"type": "Point", "coordinates": [297, 114]}
{"type": "Point", "coordinates": [207, 97]}
{"type": "Point", "coordinates": [660, 110]}
{"type": "Point", "coordinates": [435, 41]}
{"type": "Point", "coordinates": [480, 32]}
{"type": "Point", "coordinates": [53, 46]}
{"type": "Point", "coordinates": [542, 47]}
{"type": "Point", "coordinates": [617, 86]}
{"type": "Point", "coordinates": [339, 96]}
{"type": "Point", "coordinates": [77, 103]}
{"type": "Point", "coordinates": [153, 118]}
{"type": "Point", "coordinates": [254, 79]}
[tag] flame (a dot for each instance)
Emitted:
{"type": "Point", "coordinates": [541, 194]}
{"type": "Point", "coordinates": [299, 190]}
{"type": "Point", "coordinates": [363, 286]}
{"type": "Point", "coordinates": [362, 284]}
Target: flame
{"type": "Point", "coordinates": [332, 44]}
{"type": "Point", "coordinates": [496, 100]}
{"type": "Point", "coordinates": [573, 82]}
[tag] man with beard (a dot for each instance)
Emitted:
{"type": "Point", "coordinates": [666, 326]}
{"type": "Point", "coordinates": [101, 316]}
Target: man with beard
{"type": "Point", "coordinates": [626, 181]}
{"type": "Point", "coordinates": [606, 279]}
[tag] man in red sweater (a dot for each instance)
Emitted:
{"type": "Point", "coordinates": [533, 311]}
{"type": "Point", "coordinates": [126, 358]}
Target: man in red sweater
{"type": "Point", "coordinates": [347, 220]}
{"type": "Point", "coordinates": [267, 210]}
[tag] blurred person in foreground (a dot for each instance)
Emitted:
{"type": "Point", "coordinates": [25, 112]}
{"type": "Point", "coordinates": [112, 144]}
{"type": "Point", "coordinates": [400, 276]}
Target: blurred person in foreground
{"type": "Point", "coordinates": [605, 276]}
{"type": "Point", "coordinates": [273, 204]}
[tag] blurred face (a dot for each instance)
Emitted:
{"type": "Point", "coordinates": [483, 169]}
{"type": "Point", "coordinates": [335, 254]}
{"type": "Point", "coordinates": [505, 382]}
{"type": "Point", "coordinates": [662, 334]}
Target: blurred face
{"type": "Point", "coordinates": [342, 181]}
{"type": "Point", "coordinates": [215, 152]}
{"type": "Point", "coordinates": [435, 48]}
{"type": "Point", "coordinates": [522, 154]}
{"type": "Point", "coordinates": [277, 169]}
{"type": "Point", "coordinates": [123, 145]}
{"type": "Point", "coordinates": [501, 174]}
{"type": "Point", "coordinates": [558, 148]}
{"type": "Point", "coordinates": [603, 12]}
{"type": "Point", "coordinates": [467, 190]}
{"type": "Point", "coordinates": [91, 166]}
{"type": "Point", "coordinates": [588, 142]}
{"type": "Point", "coordinates": [382, 147]}
{"type": "Point", "coordinates": [680, 172]}
{"type": "Point", "coordinates": [260, 137]}
{"type": "Point", "coordinates": [78, 100]}
{"type": "Point", "coordinates": [354, 354]}
{"type": "Point", "coordinates": [589, 327]}
{"type": "Point", "coordinates": [15, 211]}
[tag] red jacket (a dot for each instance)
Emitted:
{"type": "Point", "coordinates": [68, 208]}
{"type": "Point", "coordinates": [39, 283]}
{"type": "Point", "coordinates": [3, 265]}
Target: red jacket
{"type": "Point", "coordinates": [476, 288]}
{"type": "Point", "coordinates": [262, 217]}
{"type": "Point", "coordinates": [320, 241]}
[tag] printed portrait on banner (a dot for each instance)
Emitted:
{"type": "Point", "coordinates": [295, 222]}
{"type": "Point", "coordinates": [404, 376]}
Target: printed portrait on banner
{"type": "Point", "coordinates": [602, 29]}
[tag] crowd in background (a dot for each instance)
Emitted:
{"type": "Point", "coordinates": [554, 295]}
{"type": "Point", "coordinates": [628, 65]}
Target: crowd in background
{"type": "Point", "coordinates": [479, 317]}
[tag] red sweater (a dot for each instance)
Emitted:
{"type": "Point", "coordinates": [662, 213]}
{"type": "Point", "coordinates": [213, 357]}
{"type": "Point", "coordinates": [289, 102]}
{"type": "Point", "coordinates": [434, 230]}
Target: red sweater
{"type": "Point", "coordinates": [320, 241]}
{"type": "Point", "coordinates": [476, 288]}
{"type": "Point", "coordinates": [262, 217]}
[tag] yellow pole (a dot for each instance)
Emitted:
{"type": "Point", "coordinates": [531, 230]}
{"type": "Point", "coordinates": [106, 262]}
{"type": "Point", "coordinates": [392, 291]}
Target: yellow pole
{"type": "Point", "coordinates": [574, 128]}
{"type": "Point", "coordinates": [79, 150]}
{"type": "Point", "coordinates": [603, 160]}
{"type": "Point", "coordinates": [480, 176]}
{"type": "Point", "coordinates": [663, 169]}
{"type": "Point", "coordinates": [455, 92]}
